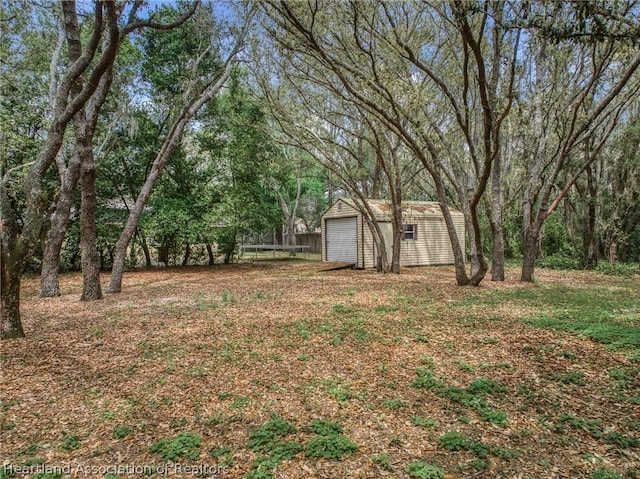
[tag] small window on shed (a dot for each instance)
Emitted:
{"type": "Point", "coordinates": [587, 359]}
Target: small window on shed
{"type": "Point", "coordinates": [409, 232]}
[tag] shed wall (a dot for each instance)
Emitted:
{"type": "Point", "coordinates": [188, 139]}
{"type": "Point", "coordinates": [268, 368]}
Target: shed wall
{"type": "Point", "coordinates": [431, 246]}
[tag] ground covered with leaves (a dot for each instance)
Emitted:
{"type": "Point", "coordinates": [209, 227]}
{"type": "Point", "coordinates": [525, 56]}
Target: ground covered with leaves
{"type": "Point", "coordinates": [284, 370]}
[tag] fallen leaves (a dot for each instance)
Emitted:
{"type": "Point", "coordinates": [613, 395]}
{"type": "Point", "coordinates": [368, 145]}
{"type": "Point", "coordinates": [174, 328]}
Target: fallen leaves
{"type": "Point", "coordinates": [217, 351]}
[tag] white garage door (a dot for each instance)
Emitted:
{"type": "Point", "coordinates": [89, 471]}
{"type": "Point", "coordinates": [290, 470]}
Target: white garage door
{"type": "Point", "coordinates": [342, 244]}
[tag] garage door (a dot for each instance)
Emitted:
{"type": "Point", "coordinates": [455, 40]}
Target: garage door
{"type": "Point", "coordinates": [342, 244]}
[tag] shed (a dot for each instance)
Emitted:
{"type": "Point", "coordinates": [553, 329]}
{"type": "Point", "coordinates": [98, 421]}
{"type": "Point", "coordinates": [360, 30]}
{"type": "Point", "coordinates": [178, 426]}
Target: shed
{"type": "Point", "coordinates": [347, 238]}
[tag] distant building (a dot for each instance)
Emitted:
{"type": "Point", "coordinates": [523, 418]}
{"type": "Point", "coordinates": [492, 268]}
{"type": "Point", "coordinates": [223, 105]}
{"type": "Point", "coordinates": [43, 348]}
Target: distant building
{"type": "Point", "coordinates": [346, 236]}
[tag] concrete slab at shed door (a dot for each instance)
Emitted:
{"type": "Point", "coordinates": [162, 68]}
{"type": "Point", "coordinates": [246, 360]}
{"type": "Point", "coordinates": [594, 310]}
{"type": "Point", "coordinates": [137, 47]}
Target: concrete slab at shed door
{"type": "Point", "coordinates": [342, 240]}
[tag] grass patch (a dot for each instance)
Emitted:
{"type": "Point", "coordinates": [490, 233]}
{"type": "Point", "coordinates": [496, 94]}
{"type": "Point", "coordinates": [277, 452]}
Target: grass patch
{"type": "Point", "coordinates": [574, 377]}
{"type": "Point", "coordinates": [604, 474]}
{"type": "Point", "coordinates": [606, 314]}
{"type": "Point", "coordinates": [474, 396]}
{"type": "Point", "coordinates": [120, 432]}
{"type": "Point", "coordinates": [185, 445]}
{"type": "Point", "coordinates": [393, 404]}
{"type": "Point", "coordinates": [70, 442]}
{"type": "Point", "coordinates": [454, 441]}
{"type": "Point", "coordinates": [424, 470]}
{"type": "Point", "coordinates": [333, 446]}
{"type": "Point", "coordinates": [422, 422]}
{"type": "Point", "coordinates": [269, 441]}
{"type": "Point", "coordinates": [616, 336]}
{"type": "Point", "coordinates": [613, 438]}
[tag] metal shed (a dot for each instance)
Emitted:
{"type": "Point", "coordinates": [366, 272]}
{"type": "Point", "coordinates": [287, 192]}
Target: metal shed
{"type": "Point", "coordinates": [347, 238]}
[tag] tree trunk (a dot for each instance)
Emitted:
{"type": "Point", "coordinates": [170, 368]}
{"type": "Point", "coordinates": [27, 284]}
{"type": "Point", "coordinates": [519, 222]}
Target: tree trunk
{"type": "Point", "coordinates": [163, 252]}
{"type": "Point", "coordinates": [590, 244]}
{"type": "Point", "coordinates": [397, 234]}
{"type": "Point", "coordinates": [49, 283]}
{"type": "Point", "coordinates": [91, 289]}
{"type": "Point", "coordinates": [530, 247]}
{"type": "Point", "coordinates": [613, 253]}
{"type": "Point", "coordinates": [85, 122]}
{"type": "Point", "coordinates": [160, 162]}
{"type": "Point", "coordinates": [10, 279]}
{"type": "Point", "coordinates": [211, 255]}
{"type": "Point", "coordinates": [145, 248]}
{"type": "Point", "coordinates": [458, 255]}
{"type": "Point", "coordinates": [291, 235]}
{"type": "Point", "coordinates": [187, 254]}
{"type": "Point", "coordinates": [497, 231]}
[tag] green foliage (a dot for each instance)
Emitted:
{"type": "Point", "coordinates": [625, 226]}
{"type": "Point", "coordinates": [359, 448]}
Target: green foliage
{"type": "Point", "coordinates": [573, 377]}
{"type": "Point", "coordinates": [604, 474]}
{"type": "Point", "coordinates": [559, 261]}
{"type": "Point", "coordinates": [333, 446]}
{"type": "Point", "coordinates": [620, 440]}
{"type": "Point", "coordinates": [169, 56]}
{"type": "Point", "coordinates": [220, 451]}
{"type": "Point", "coordinates": [7, 471]}
{"type": "Point", "coordinates": [473, 397]}
{"type": "Point", "coordinates": [394, 404]}
{"type": "Point", "coordinates": [487, 386]}
{"type": "Point", "coordinates": [325, 428]}
{"type": "Point", "coordinates": [267, 440]}
{"type": "Point", "coordinates": [120, 432]}
{"type": "Point", "coordinates": [619, 269]}
{"type": "Point", "coordinates": [454, 441]}
{"type": "Point", "coordinates": [605, 314]}
{"type": "Point", "coordinates": [340, 393]}
{"type": "Point", "coordinates": [70, 442]}
{"type": "Point", "coordinates": [619, 336]}
{"type": "Point", "coordinates": [593, 427]}
{"type": "Point", "coordinates": [284, 450]}
{"type": "Point", "coordinates": [264, 438]}
{"type": "Point", "coordinates": [185, 445]}
{"type": "Point", "coordinates": [422, 422]}
{"type": "Point", "coordinates": [428, 362]}
{"type": "Point", "coordinates": [623, 376]}
{"type": "Point", "coordinates": [424, 470]}
{"type": "Point", "coordinates": [426, 380]}
{"type": "Point", "coordinates": [382, 461]}
{"type": "Point", "coordinates": [505, 453]}
{"type": "Point", "coordinates": [246, 160]}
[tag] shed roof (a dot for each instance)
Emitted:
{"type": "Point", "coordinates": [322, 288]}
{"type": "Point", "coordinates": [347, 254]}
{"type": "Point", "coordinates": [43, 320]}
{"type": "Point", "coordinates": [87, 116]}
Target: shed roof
{"type": "Point", "coordinates": [411, 208]}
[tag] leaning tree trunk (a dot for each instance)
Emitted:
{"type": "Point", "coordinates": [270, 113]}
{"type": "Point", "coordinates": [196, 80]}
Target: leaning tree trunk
{"type": "Point", "coordinates": [160, 162]}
